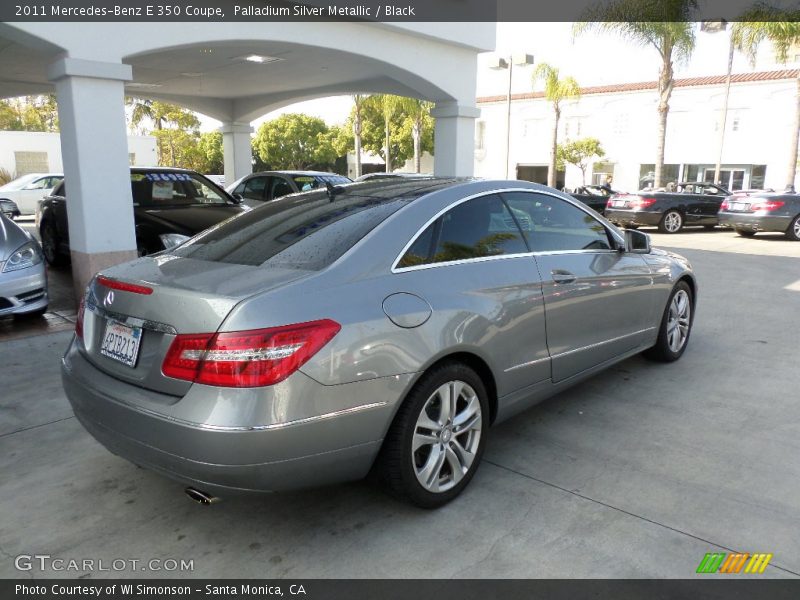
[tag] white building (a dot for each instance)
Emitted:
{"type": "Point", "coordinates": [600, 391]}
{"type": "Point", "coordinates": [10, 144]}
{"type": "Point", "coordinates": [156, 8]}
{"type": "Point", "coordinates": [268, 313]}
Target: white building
{"type": "Point", "coordinates": [623, 117]}
{"type": "Point", "coordinates": [23, 152]}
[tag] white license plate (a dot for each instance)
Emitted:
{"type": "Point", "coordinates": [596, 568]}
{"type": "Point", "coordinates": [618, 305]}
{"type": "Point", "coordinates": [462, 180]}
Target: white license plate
{"type": "Point", "coordinates": [735, 206]}
{"type": "Point", "coordinates": [121, 342]}
{"type": "Point", "coordinates": [618, 203]}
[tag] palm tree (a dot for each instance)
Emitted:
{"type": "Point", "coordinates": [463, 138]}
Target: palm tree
{"type": "Point", "coordinates": [416, 110]}
{"type": "Point", "coordinates": [666, 26]}
{"type": "Point", "coordinates": [782, 29]}
{"type": "Point", "coordinates": [387, 105]}
{"type": "Point", "coordinates": [556, 91]}
{"type": "Point", "coordinates": [358, 105]}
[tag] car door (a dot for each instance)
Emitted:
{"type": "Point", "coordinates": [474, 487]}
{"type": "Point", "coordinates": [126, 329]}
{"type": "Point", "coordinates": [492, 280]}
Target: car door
{"type": "Point", "coordinates": [280, 187]}
{"type": "Point", "coordinates": [711, 201]}
{"type": "Point", "coordinates": [597, 298]}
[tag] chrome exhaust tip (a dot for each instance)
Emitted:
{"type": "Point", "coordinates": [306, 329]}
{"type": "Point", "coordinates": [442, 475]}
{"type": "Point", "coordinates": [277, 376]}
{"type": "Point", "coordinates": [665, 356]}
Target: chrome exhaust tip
{"type": "Point", "coordinates": [200, 497]}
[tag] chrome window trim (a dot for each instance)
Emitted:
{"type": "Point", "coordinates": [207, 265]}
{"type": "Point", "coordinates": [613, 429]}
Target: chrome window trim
{"type": "Point", "coordinates": [429, 222]}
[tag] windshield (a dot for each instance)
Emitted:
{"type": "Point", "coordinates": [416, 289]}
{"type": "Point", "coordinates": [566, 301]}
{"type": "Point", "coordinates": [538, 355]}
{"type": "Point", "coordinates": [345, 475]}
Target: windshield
{"type": "Point", "coordinates": [19, 183]}
{"type": "Point", "coordinates": [312, 182]}
{"type": "Point", "coordinates": [174, 189]}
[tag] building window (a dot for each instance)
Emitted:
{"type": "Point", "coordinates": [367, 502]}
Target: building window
{"type": "Point", "coordinates": [132, 158]}
{"type": "Point", "coordinates": [31, 162]}
{"type": "Point", "coordinates": [480, 135]}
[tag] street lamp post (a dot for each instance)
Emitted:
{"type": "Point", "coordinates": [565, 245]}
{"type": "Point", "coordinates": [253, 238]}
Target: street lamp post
{"type": "Point", "coordinates": [716, 27]}
{"type": "Point", "coordinates": [498, 63]}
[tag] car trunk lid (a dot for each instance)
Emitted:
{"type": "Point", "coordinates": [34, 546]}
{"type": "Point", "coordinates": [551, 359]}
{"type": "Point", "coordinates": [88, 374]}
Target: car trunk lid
{"type": "Point", "coordinates": [134, 311]}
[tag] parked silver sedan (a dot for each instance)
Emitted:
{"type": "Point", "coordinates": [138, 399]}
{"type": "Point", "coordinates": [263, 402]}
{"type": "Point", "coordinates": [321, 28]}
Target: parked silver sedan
{"type": "Point", "coordinates": [379, 326]}
{"type": "Point", "coordinates": [23, 279]}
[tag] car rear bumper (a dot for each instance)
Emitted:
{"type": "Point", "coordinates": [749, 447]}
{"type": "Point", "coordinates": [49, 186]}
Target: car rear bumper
{"type": "Point", "coordinates": [632, 217]}
{"type": "Point", "coordinates": [256, 456]}
{"type": "Point", "coordinates": [753, 222]}
{"type": "Point", "coordinates": [23, 291]}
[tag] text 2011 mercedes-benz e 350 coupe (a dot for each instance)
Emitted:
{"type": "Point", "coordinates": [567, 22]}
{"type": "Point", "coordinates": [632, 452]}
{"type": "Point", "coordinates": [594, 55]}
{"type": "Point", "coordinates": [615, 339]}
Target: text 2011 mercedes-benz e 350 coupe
{"type": "Point", "coordinates": [377, 326]}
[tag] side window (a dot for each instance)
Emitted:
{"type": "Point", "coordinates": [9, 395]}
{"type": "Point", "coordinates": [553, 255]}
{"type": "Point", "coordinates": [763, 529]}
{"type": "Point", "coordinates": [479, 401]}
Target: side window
{"type": "Point", "coordinates": [474, 229]}
{"type": "Point", "coordinates": [551, 224]}
{"type": "Point", "coordinates": [280, 187]}
{"type": "Point", "coordinates": [254, 188]}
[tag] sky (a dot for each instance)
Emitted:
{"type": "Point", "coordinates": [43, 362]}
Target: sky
{"type": "Point", "coordinates": [592, 59]}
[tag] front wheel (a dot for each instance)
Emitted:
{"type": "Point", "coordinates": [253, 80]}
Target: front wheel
{"type": "Point", "coordinates": [671, 222]}
{"type": "Point", "coordinates": [793, 232]}
{"type": "Point", "coordinates": [50, 245]}
{"type": "Point", "coordinates": [676, 325]}
{"type": "Point", "coordinates": [436, 441]}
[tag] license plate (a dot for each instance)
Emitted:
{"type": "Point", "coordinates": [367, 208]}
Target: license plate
{"type": "Point", "coordinates": [739, 206]}
{"type": "Point", "coordinates": [618, 203]}
{"type": "Point", "coordinates": [121, 342]}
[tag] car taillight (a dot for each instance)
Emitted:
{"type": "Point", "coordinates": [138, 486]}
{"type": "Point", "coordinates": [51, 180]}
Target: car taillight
{"type": "Point", "coordinates": [115, 284]}
{"type": "Point", "coordinates": [642, 202]}
{"type": "Point", "coordinates": [79, 320]}
{"type": "Point", "coordinates": [724, 205]}
{"type": "Point", "coordinates": [253, 358]}
{"type": "Point", "coordinates": [767, 205]}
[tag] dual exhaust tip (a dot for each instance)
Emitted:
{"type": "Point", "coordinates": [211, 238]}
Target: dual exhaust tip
{"type": "Point", "coordinates": [200, 496]}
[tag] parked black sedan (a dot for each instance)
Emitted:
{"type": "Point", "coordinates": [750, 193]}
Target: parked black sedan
{"type": "Point", "coordinates": [169, 206]}
{"type": "Point", "coordinates": [594, 196]}
{"type": "Point", "coordinates": [257, 188]}
{"type": "Point", "coordinates": [692, 203]}
{"type": "Point", "coordinates": [763, 212]}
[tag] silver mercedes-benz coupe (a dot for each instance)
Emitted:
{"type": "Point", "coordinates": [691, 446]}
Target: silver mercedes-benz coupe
{"type": "Point", "coordinates": [376, 327]}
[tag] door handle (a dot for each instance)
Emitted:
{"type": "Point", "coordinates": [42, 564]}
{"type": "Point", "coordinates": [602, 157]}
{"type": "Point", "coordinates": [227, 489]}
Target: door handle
{"type": "Point", "coordinates": [561, 276]}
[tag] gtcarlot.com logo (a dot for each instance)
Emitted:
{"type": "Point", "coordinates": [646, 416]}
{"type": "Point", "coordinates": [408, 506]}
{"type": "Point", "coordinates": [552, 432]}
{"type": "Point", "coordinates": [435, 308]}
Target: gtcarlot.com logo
{"type": "Point", "coordinates": [45, 562]}
{"type": "Point", "coordinates": [735, 562]}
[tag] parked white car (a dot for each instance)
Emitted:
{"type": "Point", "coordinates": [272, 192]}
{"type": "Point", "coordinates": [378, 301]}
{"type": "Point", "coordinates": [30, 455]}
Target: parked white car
{"type": "Point", "coordinates": [26, 191]}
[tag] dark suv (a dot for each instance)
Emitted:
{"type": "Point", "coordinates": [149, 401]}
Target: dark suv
{"type": "Point", "coordinates": [169, 206]}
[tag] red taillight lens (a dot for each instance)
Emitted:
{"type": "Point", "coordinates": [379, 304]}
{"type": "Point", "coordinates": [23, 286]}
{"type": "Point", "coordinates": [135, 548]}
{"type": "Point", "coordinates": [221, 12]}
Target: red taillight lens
{"type": "Point", "coordinates": [115, 284]}
{"type": "Point", "coordinates": [247, 358]}
{"type": "Point", "coordinates": [724, 205]}
{"type": "Point", "coordinates": [79, 320]}
{"type": "Point", "coordinates": [641, 202]}
{"type": "Point", "coordinates": [767, 205]}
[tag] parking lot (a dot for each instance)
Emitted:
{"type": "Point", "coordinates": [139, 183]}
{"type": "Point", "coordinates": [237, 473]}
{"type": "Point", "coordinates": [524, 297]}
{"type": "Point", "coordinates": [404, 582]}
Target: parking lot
{"type": "Point", "coordinates": [636, 473]}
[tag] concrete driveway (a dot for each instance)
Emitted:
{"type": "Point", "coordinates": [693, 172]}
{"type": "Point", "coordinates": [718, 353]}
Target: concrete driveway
{"type": "Point", "coordinates": [636, 473]}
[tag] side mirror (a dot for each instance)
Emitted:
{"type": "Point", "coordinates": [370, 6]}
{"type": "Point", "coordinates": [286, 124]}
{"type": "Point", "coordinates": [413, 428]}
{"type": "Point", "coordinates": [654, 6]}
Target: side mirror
{"type": "Point", "coordinates": [637, 242]}
{"type": "Point", "coordinates": [238, 197]}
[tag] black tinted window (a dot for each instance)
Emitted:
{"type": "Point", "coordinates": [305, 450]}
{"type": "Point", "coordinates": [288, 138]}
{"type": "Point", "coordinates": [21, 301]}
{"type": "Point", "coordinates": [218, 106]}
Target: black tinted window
{"type": "Point", "coordinates": [474, 229]}
{"type": "Point", "coordinates": [551, 224]}
{"type": "Point", "coordinates": [254, 188]}
{"type": "Point", "coordinates": [303, 232]}
{"type": "Point", "coordinates": [163, 188]}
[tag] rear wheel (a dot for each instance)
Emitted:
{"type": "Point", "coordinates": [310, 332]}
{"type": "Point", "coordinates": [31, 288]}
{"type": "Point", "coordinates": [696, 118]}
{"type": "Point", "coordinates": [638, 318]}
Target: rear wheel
{"type": "Point", "coordinates": [436, 441]}
{"type": "Point", "coordinates": [745, 232]}
{"type": "Point", "coordinates": [676, 325]}
{"type": "Point", "coordinates": [50, 244]}
{"type": "Point", "coordinates": [671, 222]}
{"type": "Point", "coordinates": [793, 233]}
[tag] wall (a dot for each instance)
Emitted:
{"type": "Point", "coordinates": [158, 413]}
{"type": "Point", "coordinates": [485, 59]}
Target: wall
{"type": "Point", "coordinates": [144, 148]}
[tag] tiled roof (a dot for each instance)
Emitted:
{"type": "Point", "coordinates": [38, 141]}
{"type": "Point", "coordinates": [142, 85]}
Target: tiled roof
{"type": "Point", "coordinates": [652, 85]}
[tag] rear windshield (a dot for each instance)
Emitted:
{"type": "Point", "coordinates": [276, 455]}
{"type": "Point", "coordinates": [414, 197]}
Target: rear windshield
{"type": "Point", "coordinates": [300, 232]}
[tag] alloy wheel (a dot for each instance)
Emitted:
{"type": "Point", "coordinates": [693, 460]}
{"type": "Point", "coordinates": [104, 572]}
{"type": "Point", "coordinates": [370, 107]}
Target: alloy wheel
{"type": "Point", "coordinates": [673, 222]}
{"type": "Point", "coordinates": [446, 436]}
{"type": "Point", "coordinates": [680, 313]}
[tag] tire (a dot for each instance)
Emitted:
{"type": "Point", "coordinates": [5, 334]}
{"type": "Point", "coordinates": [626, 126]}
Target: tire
{"type": "Point", "coordinates": [50, 245]}
{"type": "Point", "coordinates": [793, 232]}
{"type": "Point", "coordinates": [677, 319]}
{"type": "Point", "coordinates": [745, 232]}
{"type": "Point", "coordinates": [671, 222]}
{"type": "Point", "coordinates": [445, 460]}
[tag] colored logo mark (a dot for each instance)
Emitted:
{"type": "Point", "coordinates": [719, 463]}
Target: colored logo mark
{"type": "Point", "coordinates": [735, 562]}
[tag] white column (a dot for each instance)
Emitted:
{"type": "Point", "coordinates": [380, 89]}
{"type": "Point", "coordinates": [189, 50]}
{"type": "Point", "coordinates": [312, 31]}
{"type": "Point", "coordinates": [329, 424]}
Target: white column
{"type": "Point", "coordinates": [238, 150]}
{"type": "Point", "coordinates": [94, 147]}
{"type": "Point", "coordinates": [454, 152]}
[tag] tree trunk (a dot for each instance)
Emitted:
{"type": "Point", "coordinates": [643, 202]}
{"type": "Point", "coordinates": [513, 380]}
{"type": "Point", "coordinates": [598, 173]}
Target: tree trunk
{"type": "Point", "coordinates": [357, 137]}
{"type": "Point", "coordinates": [551, 171]}
{"type": "Point", "coordinates": [665, 83]}
{"type": "Point", "coordinates": [416, 133]}
{"type": "Point", "coordinates": [790, 174]}
{"type": "Point", "coordinates": [388, 150]}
